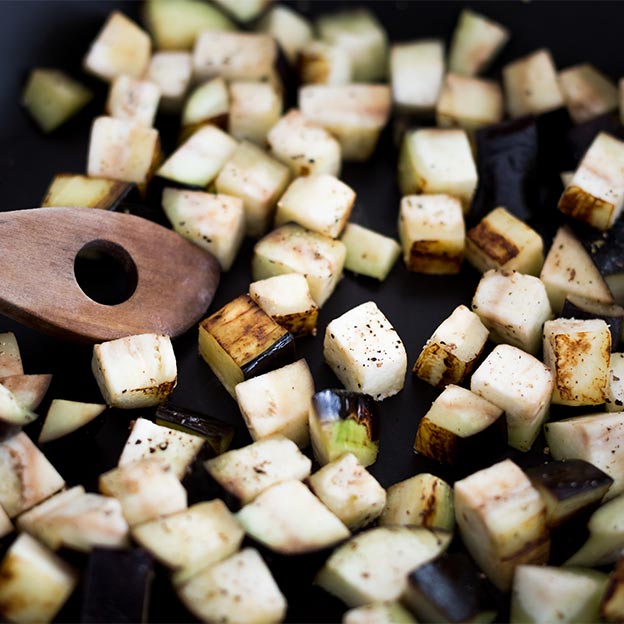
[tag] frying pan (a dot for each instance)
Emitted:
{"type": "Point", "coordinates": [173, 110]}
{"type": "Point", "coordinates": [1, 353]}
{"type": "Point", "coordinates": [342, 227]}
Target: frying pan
{"type": "Point", "coordinates": [57, 34]}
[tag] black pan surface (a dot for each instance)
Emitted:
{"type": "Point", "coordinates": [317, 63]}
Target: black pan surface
{"type": "Point", "coordinates": [57, 34]}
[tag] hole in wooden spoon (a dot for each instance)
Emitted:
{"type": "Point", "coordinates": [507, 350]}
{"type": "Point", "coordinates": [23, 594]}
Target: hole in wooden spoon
{"type": "Point", "coordinates": [105, 272]}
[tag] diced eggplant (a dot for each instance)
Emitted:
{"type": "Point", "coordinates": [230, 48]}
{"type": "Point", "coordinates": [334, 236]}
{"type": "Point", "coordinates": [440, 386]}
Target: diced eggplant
{"type": "Point", "coordinates": [238, 589]}
{"type": "Point", "coordinates": [502, 521]}
{"type": "Point", "coordinates": [28, 390]}
{"type": "Point", "coordinates": [614, 399]}
{"type": "Point", "coordinates": [12, 411]}
{"type": "Point", "coordinates": [460, 427]}
{"type": "Point", "coordinates": [241, 341]}
{"type": "Point", "coordinates": [368, 252]}
{"type": "Point", "coordinates": [214, 222]}
{"type": "Point", "coordinates": [502, 241]}
{"type": "Point", "coordinates": [69, 189]}
{"type": "Point", "coordinates": [519, 384]}
{"type": "Point", "coordinates": [117, 586]}
{"type": "Point", "coordinates": [596, 438]}
{"type": "Point", "coordinates": [320, 62]}
{"type": "Point", "coordinates": [121, 47]}
{"type": "Point", "coordinates": [580, 307]}
{"type": "Point", "coordinates": [362, 36]}
{"type": "Point", "coordinates": [249, 471]}
{"type": "Point", "coordinates": [417, 73]}
{"type": "Point", "coordinates": [388, 612]}
{"type": "Point", "coordinates": [209, 103]}
{"type": "Point", "coordinates": [290, 520]}
{"type": "Point", "coordinates": [10, 358]}
{"type": "Point", "coordinates": [192, 539]}
{"type": "Point", "coordinates": [531, 85]}
{"type": "Point", "coordinates": [549, 594]}
{"type": "Point", "coordinates": [146, 490]}
{"type": "Point", "coordinates": [64, 417]}
{"type": "Point", "coordinates": [579, 355]}
{"type": "Point", "coordinates": [287, 300]}
{"type": "Point", "coordinates": [51, 97]}
{"type": "Point", "coordinates": [171, 72]}
{"type": "Point", "coordinates": [293, 249]}
{"type": "Point", "coordinates": [277, 402]}
{"type": "Point", "coordinates": [477, 39]}
{"type": "Point", "coordinates": [133, 100]}
{"type": "Point", "coordinates": [26, 476]}
{"type": "Point", "coordinates": [612, 603]}
{"type": "Point", "coordinates": [432, 233]}
{"type": "Point", "coordinates": [423, 500]}
{"type": "Point", "coordinates": [28, 520]}
{"type": "Point", "coordinates": [35, 582]}
{"type": "Point", "coordinates": [259, 180]}
{"type": "Point", "coordinates": [568, 487]}
{"type": "Point", "coordinates": [244, 10]}
{"type": "Point", "coordinates": [176, 24]}
{"type": "Point", "coordinates": [6, 526]}
{"type": "Point", "coordinates": [344, 422]}
{"type": "Point", "coordinates": [217, 433]}
{"type": "Point", "coordinates": [438, 160]}
{"type": "Point", "coordinates": [177, 449]}
{"type": "Point", "coordinates": [291, 30]}
{"type": "Point", "coordinates": [349, 491]}
{"type": "Point", "coordinates": [449, 589]}
{"type": "Point", "coordinates": [373, 566]}
{"type": "Point", "coordinates": [514, 307]}
{"type": "Point", "coordinates": [255, 107]}
{"type": "Point", "coordinates": [135, 371]}
{"type": "Point", "coordinates": [453, 349]}
{"type": "Point", "coordinates": [365, 352]}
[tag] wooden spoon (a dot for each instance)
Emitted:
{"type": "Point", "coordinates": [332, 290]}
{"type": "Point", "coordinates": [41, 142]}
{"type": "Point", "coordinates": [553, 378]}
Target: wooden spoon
{"type": "Point", "coordinates": [175, 280]}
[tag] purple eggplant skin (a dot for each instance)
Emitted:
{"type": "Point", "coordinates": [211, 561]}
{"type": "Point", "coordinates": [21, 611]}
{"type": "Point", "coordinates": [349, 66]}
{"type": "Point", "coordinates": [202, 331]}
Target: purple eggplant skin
{"type": "Point", "coordinates": [117, 586]}
{"type": "Point", "coordinates": [582, 308]}
{"type": "Point", "coordinates": [280, 353]}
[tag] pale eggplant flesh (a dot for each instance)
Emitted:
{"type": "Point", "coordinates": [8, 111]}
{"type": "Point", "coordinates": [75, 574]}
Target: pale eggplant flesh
{"type": "Point", "coordinates": [576, 307]}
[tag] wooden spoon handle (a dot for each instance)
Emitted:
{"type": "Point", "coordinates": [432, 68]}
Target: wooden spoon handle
{"type": "Point", "coordinates": [176, 280]}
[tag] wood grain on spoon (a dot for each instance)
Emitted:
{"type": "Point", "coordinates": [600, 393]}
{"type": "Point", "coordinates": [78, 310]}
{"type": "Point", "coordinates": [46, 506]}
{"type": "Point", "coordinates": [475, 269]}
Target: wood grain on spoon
{"type": "Point", "coordinates": [176, 280]}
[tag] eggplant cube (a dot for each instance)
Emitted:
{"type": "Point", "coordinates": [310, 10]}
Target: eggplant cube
{"type": "Point", "coordinates": [133, 100]}
{"type": "Point", "coordinates": [502, 521]}
{"type": "Point", "coordinates": [438, 160]}
{"type": "Point", "coordinates": [12, 411]}
{"type": "Point", "coordinates": [198, 161]}
{"type": "Point", "coordinates": [595, 194]}
{"type": "Point", "coordinates": [290, 29]}
{"type": "Point", "coordinates": [209, 103]}
{"type": "Point", "coordinates": [349, 491]}
{"type": "Point", "coordinates": [354, 114]}
{"type": "Point", "coordinates": [579, 355]}
{"type": "Point", "coordinates": [258, 180]}
{"type": "Point", "coordinates": [26, 476]}
{"type": "Point", "coordinates": [469, 102]}
{"type": "Point", "coordinates": [451, 353]}
{"type": "Point", "coordinates": [321, 203]}
{"type": "Point", "coordinates": [389, 612]}
{"type": "Point", "coordinates": [502, 241]}
{"type": "Point", "coordinates": [365, 352]}
{"type": "Point", "coordinates": [244, 11]}
{"type": "Point", "coordinates": [519, 384]}
{"type": "Point", "coordinates": [293, 249]}
{"type": "Point", "coordinates": [323, 63]}
{"type": "Point", "coordinates": [579, 307]}
{"type": "Point", "coordinates": [459, 426]}
{"type": "Point", "coordinates": [171, 72]}
{"type": "Point", "coordinates": [240, 341]}
{"type": "Point", "coordinates": [249, 471]}
{"type": "Point", "coordinates": [255, 107]}
{"type": "Point", "coordinates": [417, 72]}
{"type": "Point", "coordinates": [514, 307]}
{"type": "Point", "coordinates": [568, 487]}
{"type": "Point", "coordinates": [121, 47]}
{"type": "Point", "coordinates": [28, 390]}
{"type": "Point", "coordinates": [290, 520]}
{"type": "Point", "coordinates": [531, 85]}
{"type": "Point", "coordinates": [238, 589]}
{"type": "Point", "coordinates": [277, 402]}
{"type": "Point", "coordinates": [476, 41]}
{"type": "Point", "coordinates": [121, 150]}
{"type": "Point", "coordinates": [192, 539]}
{"type": "Point", "coordinates": [432, 233]}
{"type": "Point", "coordinates": [306, 147]}
{"type": "Point", "coordinates": [214, 222]}
{"type": "Point", "coordinates": [596, 439]}
{"type": "Point", "coordinates": [10, 358]}
{"type": "Point", "coordinates": [234, 55]}
{"type": "Point", "coordinates": [369, 253]}
{"type": "Point", "coordinates": [35, 582]}
{"type": "Point", "coordinates": [287, 300]}
{"type": "Point", "coordinates": [587, 92]}
{"type": "Point", "coordinates": [146, 489]}
{"type": "Point", "coordinates": [423, 500]}
{"type": "Point", "coordinates": [373, 566]}
{"type": "Point", "coordinates": [344, 422]}
{"type": "Point", "coordinates": [615, 387]}
{"type": "Point", "coordinates": [135, 371]}
{"type": "Point", "coordinates": [65, 417]}
{"type": "Point", "coordinates": [68, 189]}
{"type": "Point", "coordinates": [52, 97]}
